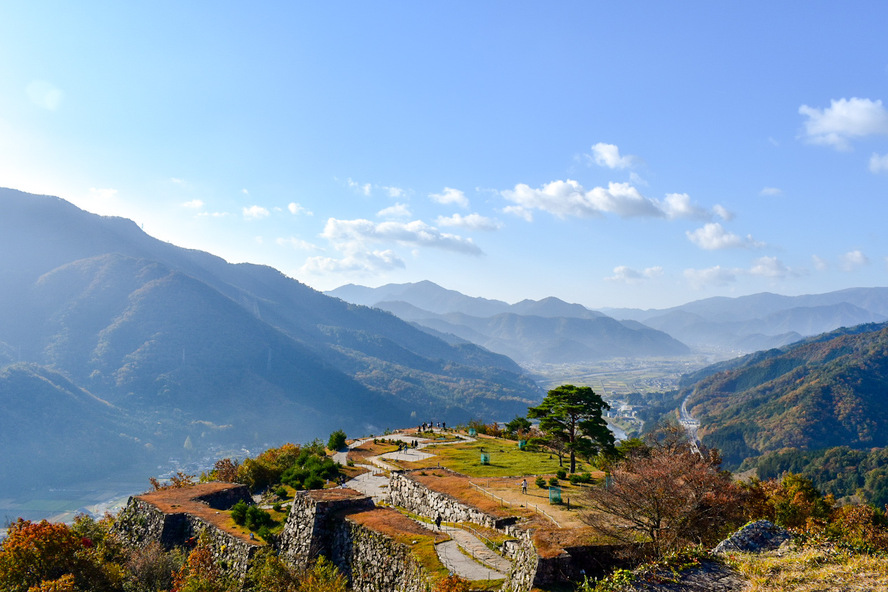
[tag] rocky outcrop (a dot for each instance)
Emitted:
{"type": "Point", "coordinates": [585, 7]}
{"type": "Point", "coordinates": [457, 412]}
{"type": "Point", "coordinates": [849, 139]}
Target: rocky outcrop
{"type": "Point", "coordinates": [709, 576]}
{"type": "Point", "coordinates": [755, 537]}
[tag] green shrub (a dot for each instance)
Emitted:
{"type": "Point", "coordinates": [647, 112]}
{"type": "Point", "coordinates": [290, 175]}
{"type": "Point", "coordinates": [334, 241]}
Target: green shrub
{"type": "Point", "coordinates": [265, 534]}
{"type": "Point", "coordinates": [257, 518]}
{"type": "Point", "coordinates": [239, 512]}
{"type": "Point", "coordinates": [337, 440]}
{"type": "Point", "coordinates": [577, 478]}
{"type": "Point", "coordinates": [281, 492]}
{"type": "Point", "coordinates": [553, 481]}
{"type": "Point", "coordinates": [541, 482]}
{"type": "Point", "coordinates": [314, 482]}
{"type": "Point", "coordinates": [561, 474]}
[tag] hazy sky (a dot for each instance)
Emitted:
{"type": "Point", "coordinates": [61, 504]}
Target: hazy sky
{"type": "Point", "coordinates": [608, 153]}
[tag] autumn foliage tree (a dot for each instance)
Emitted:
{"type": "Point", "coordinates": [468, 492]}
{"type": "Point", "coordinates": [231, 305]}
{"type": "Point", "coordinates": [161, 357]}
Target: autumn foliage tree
{"type": "Point", "coordinates": [200, 573]}
{"type": "Point", "coordinates": [47, 556]}
{"type": "Point", "coordinates": [664, 497]}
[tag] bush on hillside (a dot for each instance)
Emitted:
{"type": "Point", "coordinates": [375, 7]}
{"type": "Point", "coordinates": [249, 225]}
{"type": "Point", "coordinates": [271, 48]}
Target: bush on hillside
{"type": "Point", "coordinates": [337, 440]}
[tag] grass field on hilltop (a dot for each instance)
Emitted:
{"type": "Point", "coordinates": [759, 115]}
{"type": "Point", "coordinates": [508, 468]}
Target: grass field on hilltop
{"type": "Point", "coordinates": [506, 460]}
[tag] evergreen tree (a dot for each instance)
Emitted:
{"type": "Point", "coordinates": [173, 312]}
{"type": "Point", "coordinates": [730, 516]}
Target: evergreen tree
{"type": "Point", "coordinates": [571, 418]}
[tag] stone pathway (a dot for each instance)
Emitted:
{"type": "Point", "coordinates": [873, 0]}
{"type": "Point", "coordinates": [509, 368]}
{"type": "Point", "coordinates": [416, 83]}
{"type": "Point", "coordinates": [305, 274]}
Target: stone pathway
{"type": "Point", "coordinates": [479, 551]}
{"type": "Point", "coordinates": [464, 555]}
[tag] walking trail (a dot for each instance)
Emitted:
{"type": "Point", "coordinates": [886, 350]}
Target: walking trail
{"type": "Point", "coordinates": [464, 554]}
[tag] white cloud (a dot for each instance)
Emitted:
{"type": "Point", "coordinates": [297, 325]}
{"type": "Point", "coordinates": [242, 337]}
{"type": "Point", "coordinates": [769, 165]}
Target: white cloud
{"type": "Point", "coordinates": [713, 236]}
{"type": "Point", "coordinates": [470, 222]}
{"type": "Point", "coordinates": [213, 214]}
{"type": "Point", "coordinates": [346, 234]}
{"type": "Point", "coordinates": [628, 275]}
{"type": "Point", "coordinates": [297, 243]}
{"type": "Point", "coordinates": [769, 267]}
{"type": "Point", "coordinates": [398, 210]}
{"type": "Point", "coordinates": [519, 211]}
{"type": "Point", "coordinates": [297, 209]}
{"type": "Point", "coordinates": [44, 94]}
{"type": "Point", "coordinates": [820, 264]}
{"type": "Point", "coordinates": [878, 164]}
{"type": "Point", "coordinates": [722, 212]}
{"type": "Point", "coordinates": [245, 192]}
{"type": "Point", "coordinates": [570, 199]}
{"type": "Point", "coordinates": [561, 198]}
{"type": "Point", "coordinates": [255, 213]}
{"type": "Point", "coordinates": [636, 179]}
{"type": "Point", "coordinates": [678, 205]}
{"type": "Point", "coordinates": [366, 188]}
{"type": "Point", "coordinates": [393, 191]}
{"type": "Point", "coordinates": [853, 260]}
{"type": "Point", "coordinates": [451, 196]}
{"type": "Point", "coordinates": [194, 204]}
{"type": "Point", "coordinates": [177, 181]}
{"type": "Point", "coordinates": [843, 120]}
{"type": "Point", "coordinates": [623, 200]}
{"type": "Point", "coordinates": [369, 262]}
{"type": "Point", "coordinates": [608, 155]}
{"type": "Point", "coordinates": [771, 191]}
{"type": "Point", "coordinates": [713, 276]}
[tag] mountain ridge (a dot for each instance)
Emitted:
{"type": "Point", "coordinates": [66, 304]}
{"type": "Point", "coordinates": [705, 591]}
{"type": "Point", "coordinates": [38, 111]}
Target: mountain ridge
{"type": "Point", "coordinates": [192, 348]}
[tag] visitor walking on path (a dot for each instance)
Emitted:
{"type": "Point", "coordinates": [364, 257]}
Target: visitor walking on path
{"type": "Point", "coordinates": [524, 486]}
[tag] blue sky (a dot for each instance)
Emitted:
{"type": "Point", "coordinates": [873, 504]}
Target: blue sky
{"type": "Point", "coordinates": [638, 154]}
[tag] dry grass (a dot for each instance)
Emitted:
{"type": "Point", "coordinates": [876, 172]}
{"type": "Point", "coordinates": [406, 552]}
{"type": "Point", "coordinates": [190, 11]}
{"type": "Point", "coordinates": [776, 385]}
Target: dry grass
{"type": "Point", "coordinates": [549, 540]}
{"type": "Point", "coordinates": [460, 488]}
{"type": "Point", "coordinates": [180, 500]}
{"type": "Point", "coordinates": [813, 569]}
{"type": "Point", "coordinates": [368, 449]}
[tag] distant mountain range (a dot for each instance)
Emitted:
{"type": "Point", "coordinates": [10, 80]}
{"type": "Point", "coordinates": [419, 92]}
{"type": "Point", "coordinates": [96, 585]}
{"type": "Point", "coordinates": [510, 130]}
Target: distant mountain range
{"type": "Point", "coordinates": [548, 330]}
{"type": "Point", "coordinates": [721, 326]}
{"type": "Point", "coordinates": [118, 348]}
{"type": "Point", "coordinates": [762, 321]}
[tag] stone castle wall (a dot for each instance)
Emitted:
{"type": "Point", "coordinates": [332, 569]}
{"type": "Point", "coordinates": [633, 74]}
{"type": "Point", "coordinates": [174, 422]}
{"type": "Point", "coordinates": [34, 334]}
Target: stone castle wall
{"type": "Point", "coordinates": [319, 524]}
{"type": "Point", "coordinates": [410, 494]}
{"type": "Point", "coordinates": [373, 561]}
{"type": "Point", "coordinates": [141, 522]}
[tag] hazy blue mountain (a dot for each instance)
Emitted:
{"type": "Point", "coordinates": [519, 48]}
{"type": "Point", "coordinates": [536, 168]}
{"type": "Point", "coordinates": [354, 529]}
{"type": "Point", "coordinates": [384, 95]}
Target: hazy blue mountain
{"type": "Point", "coordinates": [425, 295]}
{"type": "Point", "coordinates": [758, 321]}
{"type": "Point", "coordinates": [529, 338]}
{"type": "Point", "coordinates": [431, 297]}
{"type": "Point", "coordinates": [548, 330]}
{"type": "Point", "coordinates": [184, 346]}
{"type": "Point", "coordinates": [49, 426]}
{"type": "Point", "coordinates": [553, 307]}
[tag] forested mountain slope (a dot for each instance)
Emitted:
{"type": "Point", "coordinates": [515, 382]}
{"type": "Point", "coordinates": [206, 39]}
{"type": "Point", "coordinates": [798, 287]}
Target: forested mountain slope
{"type": "Point", "coordinates": [824, 392]}
{"type": "Point", "coordinates": [184, 346]}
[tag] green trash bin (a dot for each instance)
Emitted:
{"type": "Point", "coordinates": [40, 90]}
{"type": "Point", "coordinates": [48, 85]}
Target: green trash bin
{"type": "Point", "coordinates": [554, 494]}
{"type": "Point", "coordinates": [522, 444]}
{"type": "Point", "coordinates": [473, 432]}
{"type": "Point", "coordinates": [485, 458]}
